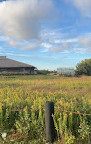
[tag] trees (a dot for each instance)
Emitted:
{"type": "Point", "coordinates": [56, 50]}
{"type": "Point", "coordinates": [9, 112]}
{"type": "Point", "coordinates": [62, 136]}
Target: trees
{"type": "Point", "coordinates": [84, 67]}
{"type": "Point", "coordinates": [45, 72]}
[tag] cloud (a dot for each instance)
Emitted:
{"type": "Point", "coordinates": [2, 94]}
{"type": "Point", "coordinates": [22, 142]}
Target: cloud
{"type": "Point", "coordinates": [4, 38]}
{"type": "Point", "coordinates": [86, 42]}
{"type": "Point", "coordinates": [79, 44]}
{"type": "Point", "coordinates": [79, 50]}
{"type": "Point", "coordinates": [22, 19]}
{"type": "Point", "coordinates": [25, 45]}
{"type": "Point", "coordinates": [12, 43]}
{"type": "Point", "coordinates": [31, 46]}
{"type": "Point", "coordinates": [83, 5]}
{"type": "Point", "coordinates": [61, 48]}
{"type": "Point", "coordinates": [56, 48]}
{"type": "Point", "coordinates": [71, 40]}
{"type": "Point", "coordinates": [47, 45]}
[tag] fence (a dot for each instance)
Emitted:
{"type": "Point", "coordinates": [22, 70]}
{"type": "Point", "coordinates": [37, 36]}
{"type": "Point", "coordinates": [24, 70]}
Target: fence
{"type": "Point", "coordinates": [50, 128]}
{"type": "Point", "coordinates": [49, 123]}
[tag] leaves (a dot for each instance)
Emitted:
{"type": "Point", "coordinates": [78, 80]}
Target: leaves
{"type": "Point", "coordinates": [84, 67]}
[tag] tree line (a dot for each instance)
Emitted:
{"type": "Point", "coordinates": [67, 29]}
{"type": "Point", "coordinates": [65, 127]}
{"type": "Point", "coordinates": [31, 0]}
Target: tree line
{"type": "Point", "coordinates": [82, 68]}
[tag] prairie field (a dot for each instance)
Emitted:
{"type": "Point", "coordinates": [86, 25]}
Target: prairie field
{"type": "Point", "coordinates": [22, 109]}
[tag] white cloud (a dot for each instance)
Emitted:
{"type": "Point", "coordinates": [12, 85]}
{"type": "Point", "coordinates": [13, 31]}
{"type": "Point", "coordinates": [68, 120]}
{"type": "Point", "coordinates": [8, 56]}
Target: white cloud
{"type": "Point", "coordinates": [12, 43]}
{"type": "Point", "coordinates": [58, 36]}
{"type": "Point", "coordinates": [85, 41]}
{"type": "Point", "coordinates": [51, 35]}
{"type": "Point", "coordinates": [56, 48]}
{"type": "Point", "coordinates": [25, 45]}
{"type": "Point", "coordinates": [61, 48]}
{"type": "Point", "coordinates": [83, 5]}
{"type": "Point", "coordinates": [22, 19]}
{"type": "Point", "coordinates": [4, 38]}
{"type": "Point", "coordinates": [62, 42]}
{"type": "Point", "coordinates": [46, 45]}
{"type": "Point", "coordinates": [31, 46]}
{"type": "Point", "coordinates": [79, 50]}
{"type": "Point", "coordinates": [73, 40]}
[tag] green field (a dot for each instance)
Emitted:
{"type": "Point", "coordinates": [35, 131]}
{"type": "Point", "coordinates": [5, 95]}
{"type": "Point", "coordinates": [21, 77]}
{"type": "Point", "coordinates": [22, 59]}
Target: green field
{"type": "Point", "coordinates": [22, 113]}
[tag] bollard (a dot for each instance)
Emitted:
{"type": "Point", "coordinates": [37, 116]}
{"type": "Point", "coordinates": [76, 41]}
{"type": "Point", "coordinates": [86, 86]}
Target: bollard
{"type": "Point", "coordinates": [49, 123]}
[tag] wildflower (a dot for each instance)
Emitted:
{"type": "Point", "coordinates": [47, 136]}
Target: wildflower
{"type": "Point", "coordinates": [61, 102]}
{"type": "Point", "coordinates": [4, 135]}
{"type": "Point", "coordinates": [60, 114]}
{"type": "Point", "coordinates": [67, 104]}
{"type": "Point", "coordinates": [74, 98]}
{"type": "Point", "coordinates": [65, 115]}
{"type": "Point", "coordinates": [39, 106]}
{"type": "Point", "coordinates": [78, 112]}
{"type": "Point", "coordinates": [11, 140]}
{"type": "Point", "coordinates": [0, 105]}
{"type": "Point", "coordinates": [52, 115]}
{"type": "Point", "coordinates": [89, 101]}
{"type": "Point", "coordinates": [25, 110]}
{"type": "Point", "coordinates": [59, 119]}
{"type": "Point", "coordinates": [70, 114]}
{"type": "Point", "coordinates": [71, 102]}
{"type": "Point", "coordinates": [32, 107]}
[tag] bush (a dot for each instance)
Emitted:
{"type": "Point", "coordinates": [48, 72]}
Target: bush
{"type": "Point", "coordinates": [84, 68]}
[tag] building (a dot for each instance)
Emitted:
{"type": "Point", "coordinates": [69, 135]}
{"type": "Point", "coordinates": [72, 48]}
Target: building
{"type": "Point", "coordinates": [10, 66]}
{"type": "Point", "coordinates": [66, 71]}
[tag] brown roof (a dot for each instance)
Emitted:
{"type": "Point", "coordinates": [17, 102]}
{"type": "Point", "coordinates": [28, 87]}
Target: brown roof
{"type": "Point", "coordinates": [9, 63]}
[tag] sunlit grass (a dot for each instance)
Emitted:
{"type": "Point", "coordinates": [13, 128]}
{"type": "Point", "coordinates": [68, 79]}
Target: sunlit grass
{"type": "Point", "coordinates": [29, 93]}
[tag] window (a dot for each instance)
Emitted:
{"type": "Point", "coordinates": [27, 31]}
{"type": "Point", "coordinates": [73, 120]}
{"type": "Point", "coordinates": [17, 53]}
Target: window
{"type": "Point", "coordinates": [3, 70]}
{"type": "Point", "coordinates": [22, 69]}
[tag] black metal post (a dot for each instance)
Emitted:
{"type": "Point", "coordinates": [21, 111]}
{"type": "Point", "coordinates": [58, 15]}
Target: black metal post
{"type": "Point", "coordinates": [49, 110]}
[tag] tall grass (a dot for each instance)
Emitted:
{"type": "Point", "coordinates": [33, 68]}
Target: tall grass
{"type": "Point", "coordinates": [22, 114]}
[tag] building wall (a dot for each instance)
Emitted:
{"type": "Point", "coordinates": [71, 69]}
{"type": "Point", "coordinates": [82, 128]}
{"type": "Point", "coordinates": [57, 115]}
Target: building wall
{"type": "Point", "coordinates": [65, 71]}
{"type": "Point", "coordinates": [17, 70]}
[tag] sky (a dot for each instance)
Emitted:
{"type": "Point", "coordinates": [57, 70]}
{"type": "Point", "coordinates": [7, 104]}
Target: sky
{"type": "Point", "coordinates": [46, 33]}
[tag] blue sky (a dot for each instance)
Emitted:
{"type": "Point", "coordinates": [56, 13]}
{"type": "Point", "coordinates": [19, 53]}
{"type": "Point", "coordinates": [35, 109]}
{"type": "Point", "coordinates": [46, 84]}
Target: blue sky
{"type": "Point", "coordinates": [46, 33]}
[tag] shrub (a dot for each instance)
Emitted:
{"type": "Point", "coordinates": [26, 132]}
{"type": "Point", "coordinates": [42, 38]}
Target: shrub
{"type": "Point", "coordinates": [84, 67]}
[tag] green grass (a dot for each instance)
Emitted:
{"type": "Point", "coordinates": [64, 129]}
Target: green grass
{"type": "Point", "coordinates": [29, 93]}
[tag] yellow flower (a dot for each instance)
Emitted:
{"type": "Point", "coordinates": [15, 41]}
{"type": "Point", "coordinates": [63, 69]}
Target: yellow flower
{"type": "Point", "coordinates": [65, 115]}
{"type": "Point", "coordinates": [59, 119]}
{"type": "Point", "coordinates": [61, 102]}
{"type": "Point", "coordinates": [39, 106]}
{"type": "Point", "coordinates": [60, 114]}
{"type": "Point", "coordinates": [52, 115]}
{"type": "Point", "coordinates": [25, 109]}
{"type": "Point", "coordinates": [78, 112]}
{"type": "Point", "coordinates": [32, 107]}
{"type": "Point", "coordinates": [89, 101]}
{"type": "Point", "coordinates": [70, 113]}
{"type": "Point", "coordinates": [67, 104]}
{"type": "Point", "coordinates": [71, 102]}
{"type": "Point", "coordinates": [0, 105]}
